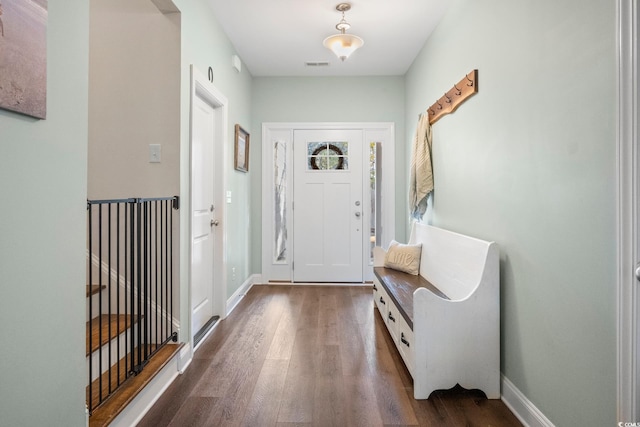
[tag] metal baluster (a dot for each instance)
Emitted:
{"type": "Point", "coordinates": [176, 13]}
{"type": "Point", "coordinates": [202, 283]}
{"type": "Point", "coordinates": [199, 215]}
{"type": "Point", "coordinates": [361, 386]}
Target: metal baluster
{"type": "Point", "coordinates": [118, 207]}
{"type": "Point", "coordinates": [89, 210]}
{"type": "Point", "coordinates": [170, 277]}
{"type": "Point", "coordinates": [127, 270]}
{"type": "Point", "coordinates": [147, 281]}
{"type": "Point", "coordinates": [139, 284]}
{"type": "Point", "coordinates": [109, 289]}
{"type": "Point", "coordinates": [134, 281]}
{"type": "Point", "coordinates": [157, 339]}
{"type": "Point", "coordinates": [99, 304]}
{"type": "Point", "coordinates": [163, 254]}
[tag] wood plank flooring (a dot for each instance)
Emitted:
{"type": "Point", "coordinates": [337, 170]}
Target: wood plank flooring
{"type": "Point", "coordinates": [309, 356]}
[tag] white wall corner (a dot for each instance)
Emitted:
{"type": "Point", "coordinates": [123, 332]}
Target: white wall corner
{"type": "Point", "coordinates": [166, 6]}
{"type": "Point", "coordinates": [233, 301]}
{"type": "Point", "coordinates": [522, 408]}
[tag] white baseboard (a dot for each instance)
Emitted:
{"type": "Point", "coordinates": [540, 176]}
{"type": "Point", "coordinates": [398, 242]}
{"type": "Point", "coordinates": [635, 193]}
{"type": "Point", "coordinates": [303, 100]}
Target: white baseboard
{"type": "Point", "coordinates": [185, 357]}
{"type": "Point", "coordinates": [233, 301]}
{"type": "Point", "coordinates": [522, 407]}
{"type": "Point", "coordinates": [140, 405]}
{"type": "Point", "coordinates": [204, 338]}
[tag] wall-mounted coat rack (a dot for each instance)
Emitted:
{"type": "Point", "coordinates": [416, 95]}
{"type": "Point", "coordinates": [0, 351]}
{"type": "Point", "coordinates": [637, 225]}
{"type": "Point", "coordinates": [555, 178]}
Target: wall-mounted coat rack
{"type": "Point", "coordinates": [451, 100]}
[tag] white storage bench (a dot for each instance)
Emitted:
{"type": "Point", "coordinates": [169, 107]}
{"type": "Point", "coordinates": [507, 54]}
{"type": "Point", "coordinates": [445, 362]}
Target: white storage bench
{"type": "Point", "coordinates": [446, 321]}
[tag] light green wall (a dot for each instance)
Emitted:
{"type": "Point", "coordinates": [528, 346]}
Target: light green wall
{"type": "Point", "coordinates": [325, 99]}
{"type": "Point", "coordinates": [205, 45]}
{"type": "Point", "coordinates": [530, 163]}
{"type": "Point", "coordinates": [43, 167]}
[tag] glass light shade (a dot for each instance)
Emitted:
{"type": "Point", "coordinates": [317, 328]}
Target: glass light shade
{"type": "Point", "coordinates": [343, 45]}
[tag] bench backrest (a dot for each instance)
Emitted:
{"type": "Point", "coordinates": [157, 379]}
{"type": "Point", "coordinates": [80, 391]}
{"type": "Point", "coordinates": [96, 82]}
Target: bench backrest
{"type": "Point", "coordinates": [453, 262]}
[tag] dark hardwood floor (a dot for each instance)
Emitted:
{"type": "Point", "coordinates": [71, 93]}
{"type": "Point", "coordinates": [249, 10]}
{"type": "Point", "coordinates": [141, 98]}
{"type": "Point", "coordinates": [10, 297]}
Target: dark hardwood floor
{"type": "Point", "coordinates": [310, 356]}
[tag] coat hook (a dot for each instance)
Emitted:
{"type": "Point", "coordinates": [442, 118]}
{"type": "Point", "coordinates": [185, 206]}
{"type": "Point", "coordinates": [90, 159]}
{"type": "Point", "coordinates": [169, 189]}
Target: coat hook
{"type": "Point", "coordinates": [448, 101]}
{"type": "Point", "coordinates": [459, 92]}
{"type": "Point", "coordinates": [439, 105]}
{"type": "Point", "coordinates": [471, 81]}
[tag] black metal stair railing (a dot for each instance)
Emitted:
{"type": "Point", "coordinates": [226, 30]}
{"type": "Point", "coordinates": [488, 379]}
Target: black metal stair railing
{"type": "Point", "coordinates": [130, 269]}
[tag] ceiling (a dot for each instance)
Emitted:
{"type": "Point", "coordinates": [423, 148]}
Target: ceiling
{"type": "Point", "coordinates": [277, 37]}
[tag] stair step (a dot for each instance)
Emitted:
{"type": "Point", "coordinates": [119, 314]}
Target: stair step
{"type": "Point", "coordinates": [110, 380]}
{"type": "Point", "coordinates": [117, 323]}
{"type": "Point", "coordinates": [104, 414]}
{"type": "Point", "coordinates": [94, 289]}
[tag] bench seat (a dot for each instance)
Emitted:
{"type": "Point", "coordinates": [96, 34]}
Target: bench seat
{"type": "Point", "coordinates": [400, 286]}
{"type": "Point", "coordinates": [445, 322]}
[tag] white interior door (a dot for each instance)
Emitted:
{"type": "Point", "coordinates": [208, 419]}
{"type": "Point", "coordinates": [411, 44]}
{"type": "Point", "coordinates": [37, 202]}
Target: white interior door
{"type": "Point", "coordinates": [328, 206]}
{"type": "Point", "coordinates": [203, 221]}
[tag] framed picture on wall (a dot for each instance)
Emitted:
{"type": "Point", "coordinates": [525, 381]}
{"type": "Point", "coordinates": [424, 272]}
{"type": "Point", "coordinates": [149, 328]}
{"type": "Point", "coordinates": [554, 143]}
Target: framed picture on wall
{"type": "Point", "coordinates": [241, 150]}
{"type": "Point", "coordinates": [23, 56]}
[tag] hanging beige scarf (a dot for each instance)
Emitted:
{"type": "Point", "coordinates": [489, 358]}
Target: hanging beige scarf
{"type": "Point", "coordinates": [421, 181]}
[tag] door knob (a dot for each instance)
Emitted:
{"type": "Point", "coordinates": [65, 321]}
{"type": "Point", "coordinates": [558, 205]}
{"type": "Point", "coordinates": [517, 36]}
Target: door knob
{"type": "Point", "coordinates": [214, 222]}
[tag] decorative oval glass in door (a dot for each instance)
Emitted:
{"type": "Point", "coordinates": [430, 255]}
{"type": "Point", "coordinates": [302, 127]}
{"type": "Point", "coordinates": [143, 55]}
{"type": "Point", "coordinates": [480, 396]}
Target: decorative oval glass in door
{"type": "Point", "coordinates": [327, 155]}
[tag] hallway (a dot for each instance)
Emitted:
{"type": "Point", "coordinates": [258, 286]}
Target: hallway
{"type": "Point", "coordinates": [309, 355]}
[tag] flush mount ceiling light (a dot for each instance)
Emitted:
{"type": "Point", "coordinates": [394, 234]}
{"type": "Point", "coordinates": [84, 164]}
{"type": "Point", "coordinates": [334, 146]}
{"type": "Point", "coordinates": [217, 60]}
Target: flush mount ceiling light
{"type": "Point", "coordinates": [343, 44]}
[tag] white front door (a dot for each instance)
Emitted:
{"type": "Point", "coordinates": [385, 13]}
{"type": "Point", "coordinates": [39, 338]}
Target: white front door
{"type": "Point", "coordinates": [328, 206]}
{"type": "Point", "coordinates": [203, 214]}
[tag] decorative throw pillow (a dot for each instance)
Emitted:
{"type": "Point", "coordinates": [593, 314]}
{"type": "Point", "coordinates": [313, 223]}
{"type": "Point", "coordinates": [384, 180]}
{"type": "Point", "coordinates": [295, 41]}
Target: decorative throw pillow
{"type": "Point", "coordinates": [403, 257]}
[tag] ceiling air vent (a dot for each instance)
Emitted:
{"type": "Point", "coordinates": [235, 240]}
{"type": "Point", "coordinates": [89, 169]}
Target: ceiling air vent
{"type": "Point", "coordinates": [316, 64]}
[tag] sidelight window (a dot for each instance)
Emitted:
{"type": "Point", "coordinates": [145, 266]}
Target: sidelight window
{"type": "Point", "coordinates": [280, 201]}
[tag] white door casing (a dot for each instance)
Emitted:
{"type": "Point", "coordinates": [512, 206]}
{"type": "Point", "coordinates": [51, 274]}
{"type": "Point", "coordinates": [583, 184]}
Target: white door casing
{"type": "Point", "coordinates": [328, 207]}
{"type": "Point", "coordinates": [277, 141]}
{"type": "Point", "coordinates": [208, 123]}
{"type": "Point", "coordinates": [628, 214]}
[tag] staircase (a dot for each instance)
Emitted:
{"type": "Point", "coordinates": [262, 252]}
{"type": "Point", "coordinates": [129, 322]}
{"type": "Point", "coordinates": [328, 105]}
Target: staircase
{"type": "Point", "coordinates": [130, 331]}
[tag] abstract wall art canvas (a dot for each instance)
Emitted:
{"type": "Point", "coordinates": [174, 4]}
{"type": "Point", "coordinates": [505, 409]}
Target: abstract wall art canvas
{"type": "Point", "coordinates": [23, 56]}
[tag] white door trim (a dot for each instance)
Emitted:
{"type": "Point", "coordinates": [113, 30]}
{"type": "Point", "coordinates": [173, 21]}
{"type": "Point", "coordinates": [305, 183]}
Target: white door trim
{"type": "Point", "coordinates": [205, 90]}
{"type": "Point", "coordinates": [271, 132]}
{"type": "Point", "coordinates": [627, 160]}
